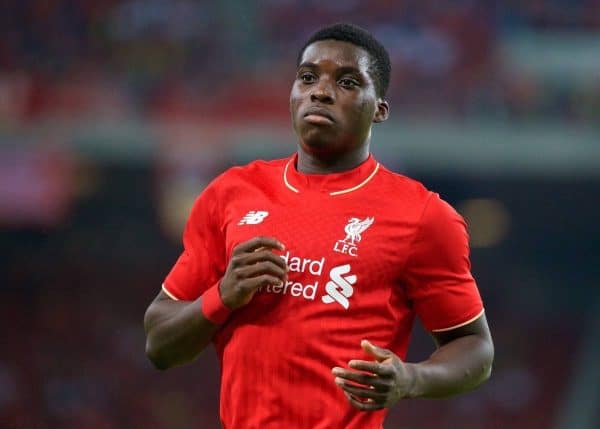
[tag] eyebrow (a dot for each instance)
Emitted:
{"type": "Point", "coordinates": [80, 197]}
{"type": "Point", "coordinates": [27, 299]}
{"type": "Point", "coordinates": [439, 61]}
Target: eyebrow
{"type": "Point", "coordinates": [341, 70]}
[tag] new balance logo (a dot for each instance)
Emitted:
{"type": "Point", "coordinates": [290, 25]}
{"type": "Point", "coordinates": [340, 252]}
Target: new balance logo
{"type": "Point", "coordinates": [253, 217]}
{"type": "Point", "coordinates": [339, 288]}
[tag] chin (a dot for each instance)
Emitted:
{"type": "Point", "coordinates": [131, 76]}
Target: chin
{"type": "Point", "coordinates": [318, 137]}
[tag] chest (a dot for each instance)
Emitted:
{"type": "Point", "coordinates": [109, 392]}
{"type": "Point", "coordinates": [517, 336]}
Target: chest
{"type": "Point", "coordinates": [336, 248]}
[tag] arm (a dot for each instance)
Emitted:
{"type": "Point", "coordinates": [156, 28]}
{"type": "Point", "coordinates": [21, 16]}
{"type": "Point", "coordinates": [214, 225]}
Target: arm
{"type": "Point", "coordinates": [177, 331]}
{"type": "Point", "coordinates": [462, 362]}
{"type": "Point", "coordinates": [442, 291]}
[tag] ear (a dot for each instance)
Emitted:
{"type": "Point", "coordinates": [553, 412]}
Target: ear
{"type": "Point", "coordinates": [382, 112]}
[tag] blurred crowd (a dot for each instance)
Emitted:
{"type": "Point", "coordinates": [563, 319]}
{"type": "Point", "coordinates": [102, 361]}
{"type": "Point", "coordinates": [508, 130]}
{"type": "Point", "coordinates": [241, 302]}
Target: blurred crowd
{"type": "Point", "coordinates": [203, 60]}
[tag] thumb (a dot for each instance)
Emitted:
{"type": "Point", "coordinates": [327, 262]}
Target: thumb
{"type": "Point", "coordinates": [378, 353]}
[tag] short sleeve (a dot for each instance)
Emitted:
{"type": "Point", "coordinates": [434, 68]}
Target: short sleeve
{"type": "Point", "coordinates": [202, 262]}
{"type": "Point", "coordinates": [438, 276]}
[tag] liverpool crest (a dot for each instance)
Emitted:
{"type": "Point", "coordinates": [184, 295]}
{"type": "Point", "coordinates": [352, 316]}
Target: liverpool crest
{"type": "Point", "coordinates": [353, 230]}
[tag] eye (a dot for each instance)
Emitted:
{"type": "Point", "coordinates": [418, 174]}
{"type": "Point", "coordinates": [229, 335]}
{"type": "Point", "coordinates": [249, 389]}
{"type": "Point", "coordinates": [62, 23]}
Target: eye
{"type": "Point", "coordinates": [348, 83]}
{"type": "Point", "coordinates": [307, 77]}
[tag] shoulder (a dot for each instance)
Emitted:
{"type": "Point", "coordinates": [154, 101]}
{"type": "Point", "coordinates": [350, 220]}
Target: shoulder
{"type": "Point", "coordinates": [254, 171]}
{"type": "Point", "coordinates": [405, 190]}
{"type": "Point", "coordinates": [260, 166]}
{"type": "Point", "coordinates": [258, 174]}
{"type": "Point", "coordinates": [411, 196]}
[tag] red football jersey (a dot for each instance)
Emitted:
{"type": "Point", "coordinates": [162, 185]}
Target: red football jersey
{"type": "Point", "coordinates": [367, 250]}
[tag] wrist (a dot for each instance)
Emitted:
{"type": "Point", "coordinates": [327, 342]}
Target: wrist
{"type": "Point", "coordinates": [419, 375]}
{"type": "Point", "coordinates": [213, 307]}
{"type": "Point", "coordinates": [413, 389]}
{"type": "Point", "coordinates": [428, 380]}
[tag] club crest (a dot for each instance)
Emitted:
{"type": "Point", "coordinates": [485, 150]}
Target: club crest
{"type": "Point", "coordinates": [354, 229]}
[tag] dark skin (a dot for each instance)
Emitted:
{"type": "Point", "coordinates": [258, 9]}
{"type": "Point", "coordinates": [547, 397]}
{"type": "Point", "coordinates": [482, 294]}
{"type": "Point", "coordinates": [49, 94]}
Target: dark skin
{"type": "Point", "coordinates": [333, 104]}
{"type": "Point", "coordinates": [177, 331]}
{"type": "Point", "coordinates": [333, 82]}
{"type": "Point", "coordinates": [462, 361]}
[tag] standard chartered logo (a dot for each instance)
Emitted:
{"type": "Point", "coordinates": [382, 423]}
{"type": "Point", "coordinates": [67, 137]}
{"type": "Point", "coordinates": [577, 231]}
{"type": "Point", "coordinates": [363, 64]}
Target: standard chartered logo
{"type": "Point", "coordinates": [339, 288]}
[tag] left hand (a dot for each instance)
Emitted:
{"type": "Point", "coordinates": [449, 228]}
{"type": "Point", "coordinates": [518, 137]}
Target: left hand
{"type": "Point", "coordinates": [377, 384]}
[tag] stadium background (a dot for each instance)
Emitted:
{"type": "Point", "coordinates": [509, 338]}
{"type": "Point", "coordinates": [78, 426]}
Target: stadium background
{"type": "Point", "coordinates": [114, 114]}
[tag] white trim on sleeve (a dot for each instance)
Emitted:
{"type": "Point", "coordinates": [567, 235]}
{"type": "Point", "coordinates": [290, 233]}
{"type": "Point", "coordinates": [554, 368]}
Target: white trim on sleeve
{"type": "Point", "coordinates": [460, 324]}
{"type": "Point", "coordinates": [169, 293]}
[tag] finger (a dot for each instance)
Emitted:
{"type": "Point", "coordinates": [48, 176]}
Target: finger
{"type": "Point", "coordinates": [377, 352]}
{"type": "Point", "coordinates": [361, 393]}
{"type": "Point", "coordinates": [378, 368]}
{"type": "Point", "coordinates": [260, 256]}
{"type": "Point", "coordinates": [254, 283]}
{"type": "Point", "coordinates": [258, 242]}
{"type": "Point", "coordinates": [260, 268]}
{"type": "Point", "coordinates": [377, 383]}
{"type": "Point", "coordinates": [363, 406]}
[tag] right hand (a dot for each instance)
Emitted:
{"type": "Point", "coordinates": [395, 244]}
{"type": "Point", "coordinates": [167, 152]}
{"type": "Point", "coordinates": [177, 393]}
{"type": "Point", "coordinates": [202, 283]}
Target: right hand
{"type": "Point", "coordinates": [252, 265]}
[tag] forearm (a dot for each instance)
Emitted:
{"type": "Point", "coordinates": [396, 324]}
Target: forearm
{"type": "Point", "coordinates": [176, 332]}
{"type": "Point", "coordinates": [457, 366]}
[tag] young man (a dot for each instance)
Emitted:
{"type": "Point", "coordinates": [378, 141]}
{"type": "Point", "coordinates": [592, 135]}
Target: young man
{"type": "Point", "coordinates": [307, 273]}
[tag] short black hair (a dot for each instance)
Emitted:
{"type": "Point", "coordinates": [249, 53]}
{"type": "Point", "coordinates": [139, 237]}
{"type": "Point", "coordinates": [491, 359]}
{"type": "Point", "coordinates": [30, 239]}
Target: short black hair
{"type": "Point", "coordinates": [380, 67]}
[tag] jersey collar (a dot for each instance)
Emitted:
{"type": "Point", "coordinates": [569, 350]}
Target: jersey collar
{"type": "Point", "coordinates": [332, 183]}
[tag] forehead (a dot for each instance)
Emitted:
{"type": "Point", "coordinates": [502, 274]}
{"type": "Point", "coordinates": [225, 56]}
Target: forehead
{"type": "Point", "coordinates": [336, 53]}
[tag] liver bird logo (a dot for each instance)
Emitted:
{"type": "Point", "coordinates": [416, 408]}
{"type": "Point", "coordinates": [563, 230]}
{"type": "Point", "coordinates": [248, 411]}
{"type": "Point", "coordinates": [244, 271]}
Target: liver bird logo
{"type": "Point", "coordinates": [355, 228]}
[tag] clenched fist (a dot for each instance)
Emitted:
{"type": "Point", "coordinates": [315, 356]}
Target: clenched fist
{"type": "Point", "coordinates": [253, 265]}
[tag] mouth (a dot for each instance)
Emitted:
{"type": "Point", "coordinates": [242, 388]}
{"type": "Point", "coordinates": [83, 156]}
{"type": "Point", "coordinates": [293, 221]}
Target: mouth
{"type": "Point", "coordinates": [318, 116]}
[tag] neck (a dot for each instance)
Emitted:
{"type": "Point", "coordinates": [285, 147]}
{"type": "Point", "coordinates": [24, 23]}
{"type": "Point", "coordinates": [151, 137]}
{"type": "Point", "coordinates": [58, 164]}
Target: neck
{"type": "Point", "coordinates": [309, 163]}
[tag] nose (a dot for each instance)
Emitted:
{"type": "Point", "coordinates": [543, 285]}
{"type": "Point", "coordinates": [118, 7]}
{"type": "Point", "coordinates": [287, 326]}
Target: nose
{"type": "Point", "coordinates": [322, 92]}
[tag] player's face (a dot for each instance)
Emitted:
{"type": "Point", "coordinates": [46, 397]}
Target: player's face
{"type": "Point", "coordinates": [333, 101]}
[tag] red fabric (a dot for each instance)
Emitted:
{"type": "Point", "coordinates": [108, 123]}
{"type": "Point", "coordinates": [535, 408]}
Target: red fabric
{"type": "Point", "coordinates": [213, 307]}
{"type": "Point", "coordinates": [437, 274]}
{"type": "Point", "coordinates": [277, 352]}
